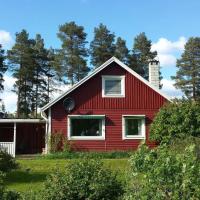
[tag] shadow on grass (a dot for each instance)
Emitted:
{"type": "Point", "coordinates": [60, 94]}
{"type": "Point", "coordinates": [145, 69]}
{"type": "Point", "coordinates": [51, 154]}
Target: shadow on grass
{"type": "Point", "coordinates": [20, 176]}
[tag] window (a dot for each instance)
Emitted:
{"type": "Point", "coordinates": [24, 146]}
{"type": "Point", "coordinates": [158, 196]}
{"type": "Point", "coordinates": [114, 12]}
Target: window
{"type": "Point", "coordinates": [113, 86]}
{"type": "Point", "coordinates": [86, 127]}
{"type": "Point", "coordinates": [133, 127]}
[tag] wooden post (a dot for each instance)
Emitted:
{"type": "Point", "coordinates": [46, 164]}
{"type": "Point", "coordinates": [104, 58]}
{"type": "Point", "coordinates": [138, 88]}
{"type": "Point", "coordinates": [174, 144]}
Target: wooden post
{"type": "Point", "coordinates": [14, 139]}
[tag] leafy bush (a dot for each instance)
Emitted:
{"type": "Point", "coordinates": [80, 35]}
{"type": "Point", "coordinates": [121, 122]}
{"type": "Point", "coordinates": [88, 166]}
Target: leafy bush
{"type": "Point", "coordinates": [2, 187]}
{"type": "Point", "coordinates": [92, 155]}
{"type": "Point", "coordinates": [7, 162]}
{"type": "Point", "coordinates": [82, 179]}
{"type": "Point", "coordinates": [165, 174]}
{"type": "Point", "coordinates": [11, 195]}
{"type": "Point", "coordinates": [7, 194]}
{"type": "Point", "coordinates": [179, 119]}
{"type": "Point", "coordinates": [58, 142]}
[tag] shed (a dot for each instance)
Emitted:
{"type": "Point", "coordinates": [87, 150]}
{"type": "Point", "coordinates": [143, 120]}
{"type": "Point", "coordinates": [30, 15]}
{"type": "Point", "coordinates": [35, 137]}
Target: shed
{"type": "Point", "coordinates": [22, 136]}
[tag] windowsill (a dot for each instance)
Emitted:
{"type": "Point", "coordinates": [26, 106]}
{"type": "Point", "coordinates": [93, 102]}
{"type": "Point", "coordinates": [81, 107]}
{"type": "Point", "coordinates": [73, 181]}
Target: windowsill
{"type": "Point", "coordinates": [113, 96]}
{"type": "Point", "coordinates": [134, 137]}
{"type": "Point", "coordinates": [86, 138]}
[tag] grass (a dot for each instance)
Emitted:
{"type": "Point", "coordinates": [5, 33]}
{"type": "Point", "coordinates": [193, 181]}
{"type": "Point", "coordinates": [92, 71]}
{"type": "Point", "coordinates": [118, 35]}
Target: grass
{"type": "Point", "coordinates": [33, 172]}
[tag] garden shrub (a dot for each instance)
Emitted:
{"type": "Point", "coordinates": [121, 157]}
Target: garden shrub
{"type": "Point", "coordinates": [91, 155]}
{"type": "Point", "coordinates": [58, 142]}
{"type": "Point", "coordinates": [11, 195]}
{"type": "Point", "coordinates": [7, 194]}
{"type": "Point", "coordinates": [82, 179]}
{"type": "Point", "coordinates": [2, 186]}
{"type": "Point", "coordinates": [7, 162]}
{"type": "Point", "coordinates": [165, 174]}
{"type": "Point", "coordinates": [179, 119]}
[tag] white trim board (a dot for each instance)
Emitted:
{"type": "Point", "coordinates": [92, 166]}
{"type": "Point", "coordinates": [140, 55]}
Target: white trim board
{"type": "Point", "coordinates": [102, 137]}
{"type": "Point", "coordinates": [22, 121]}
{"type": "Point", "coordinates": [122, 81]}
{"type": "Point", "coordinates": [143, 128]}
{"type": "Point", "coordinates": [104, 65]}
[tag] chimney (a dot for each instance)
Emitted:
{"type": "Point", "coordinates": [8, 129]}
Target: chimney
{"type": "Point", "coordinates": [154, 67]}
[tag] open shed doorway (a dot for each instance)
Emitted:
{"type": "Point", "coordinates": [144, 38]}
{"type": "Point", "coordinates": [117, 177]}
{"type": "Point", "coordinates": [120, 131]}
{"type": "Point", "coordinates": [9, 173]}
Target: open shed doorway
{"type": "Point", "coordinates": [30, 138]}
{"type": "Point", "coordinates": [22, 136]}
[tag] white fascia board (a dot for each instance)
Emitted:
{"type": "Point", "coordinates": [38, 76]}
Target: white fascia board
{"type": "Point", "coordinates": [104, 65]}
{"type": "Point", "coordinates": [22, 121]}
{"type": "Point", "coordinates": [78, 84]}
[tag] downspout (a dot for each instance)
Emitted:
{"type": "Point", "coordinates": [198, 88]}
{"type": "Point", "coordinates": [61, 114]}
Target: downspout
{"type": "Point", "coordinates": [46, 130]}
{"type": "Point", "coordinates": [14, 139]}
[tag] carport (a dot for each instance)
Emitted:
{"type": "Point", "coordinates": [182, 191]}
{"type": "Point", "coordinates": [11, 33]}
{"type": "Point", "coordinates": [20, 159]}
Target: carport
{"type": "Point", "coordinates": [22, 136]}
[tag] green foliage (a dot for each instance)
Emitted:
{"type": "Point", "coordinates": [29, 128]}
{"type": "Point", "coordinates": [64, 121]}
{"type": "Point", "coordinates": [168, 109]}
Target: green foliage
{"type": "Point", "coordinates": [82, 179]}
{"type": "Point", "coordinates": [142, 53]}
{"type": "Point", "coordinates": [59, 143]}
{"type": "Point", "coordinates": [44, 74]}
{"type": "Point", "coordinates": [21, 63]}
{"type": "Point", "coordinates": [165, 174]}
{"type": "Point", "coordinates": [188, 74]}
{"type": "Point", "coordinates": [7, 194]}
{"type": "Point", "coordinates": [92, 155]}
{"type": "Point", "coordinates": [11, 195]}
{"type": "Point", "coordinates": [33, 172]}
{"type": "Point", "coordinates": [72, 55]}
{"type": "Point", "coordinates": [179, 119]}
{"type": "Point", "coordinates": [102, 47]}
{"type": "Point", "coordinates": [31, 65]}
{"type": "Point", "coordinates": [7, 162]}
{"type": "Point", "coordinates": [2, 186]}
{"type": "Point", "coordinates": [3, 68]}
{"type": "Point", "coordinates": [121, 51]}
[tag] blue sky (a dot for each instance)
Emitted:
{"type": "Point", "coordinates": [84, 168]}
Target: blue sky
{"type": "Point", "coordinates": [167, 23]}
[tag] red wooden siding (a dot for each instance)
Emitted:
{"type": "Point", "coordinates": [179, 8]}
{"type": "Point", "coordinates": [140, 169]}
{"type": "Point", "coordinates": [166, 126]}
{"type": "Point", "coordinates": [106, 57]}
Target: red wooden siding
{"type": "Point", "coordinates": [139, 99]}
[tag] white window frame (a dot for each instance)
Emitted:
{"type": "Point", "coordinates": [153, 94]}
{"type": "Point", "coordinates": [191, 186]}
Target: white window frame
{"type": "Point", "coordinates": [143, 128]}
{"type": "Point", "coordinates": [107, 77]}
{"type": "Point", "coordinates": [102, 137]}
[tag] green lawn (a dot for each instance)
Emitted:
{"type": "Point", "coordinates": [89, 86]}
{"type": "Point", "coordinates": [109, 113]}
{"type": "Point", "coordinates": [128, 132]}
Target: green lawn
{"type": "Point", "coordinates": [32, 172]}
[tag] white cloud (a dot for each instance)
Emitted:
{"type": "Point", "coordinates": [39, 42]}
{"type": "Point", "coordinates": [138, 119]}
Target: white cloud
{"type": "Point", "coordinates": [169, 89]}
{"type": "Point", "coordinates": [164, 46]}
{"type": "Point", "coordinates": [167, 50]}
{"type": "Point", "coordinates": [5, 39]}
{"type": "Point", "coordinates": [9, 97]}
{"type": "Point", "coordinates": [167, 60]}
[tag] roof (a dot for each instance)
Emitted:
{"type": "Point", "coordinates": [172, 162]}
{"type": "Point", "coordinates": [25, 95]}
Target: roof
{"type": "Point", "coordinates": [103, 66]}
{"type": "Point", "coordinates": [22, 121]}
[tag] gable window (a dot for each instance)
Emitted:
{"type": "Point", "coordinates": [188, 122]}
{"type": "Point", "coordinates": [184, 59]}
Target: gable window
{"type": "Point", "coordinates": [86, 127]}
{"type": "Point", "coordinates": [113, 86]}
{"type": "Point", "coordinates": [133, 126]}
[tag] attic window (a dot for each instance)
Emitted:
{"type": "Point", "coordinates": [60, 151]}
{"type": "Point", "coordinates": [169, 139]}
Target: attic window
{"type": "Point", "coordinates": [113, 86]}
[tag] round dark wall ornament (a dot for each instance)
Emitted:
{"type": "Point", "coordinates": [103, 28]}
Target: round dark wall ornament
{"type": "Point", "coordinates": [69, 104]}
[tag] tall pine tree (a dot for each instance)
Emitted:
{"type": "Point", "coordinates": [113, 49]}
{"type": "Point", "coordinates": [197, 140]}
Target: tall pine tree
{"type": "Point", "coordinates": [121, 51]}
{"type": "Point", "coordinates": [102, 47]}
{"type": "Point", "coordinates": [21, 62]}
{"type": "Point", "coordinates": [141, 54]}
{"type": "Point", "coordinates": [72, 55]}
{"type": "Point", "coordinates": [41, 74]}
{"type": "Point", "coordinates": [3, 68]}
{"type": "Point", "coordinates": [188, 74]}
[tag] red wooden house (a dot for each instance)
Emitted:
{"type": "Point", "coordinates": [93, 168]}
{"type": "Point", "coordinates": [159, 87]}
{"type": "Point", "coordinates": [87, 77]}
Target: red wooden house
{"type": "Point", "coordinates": [110, 109]}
